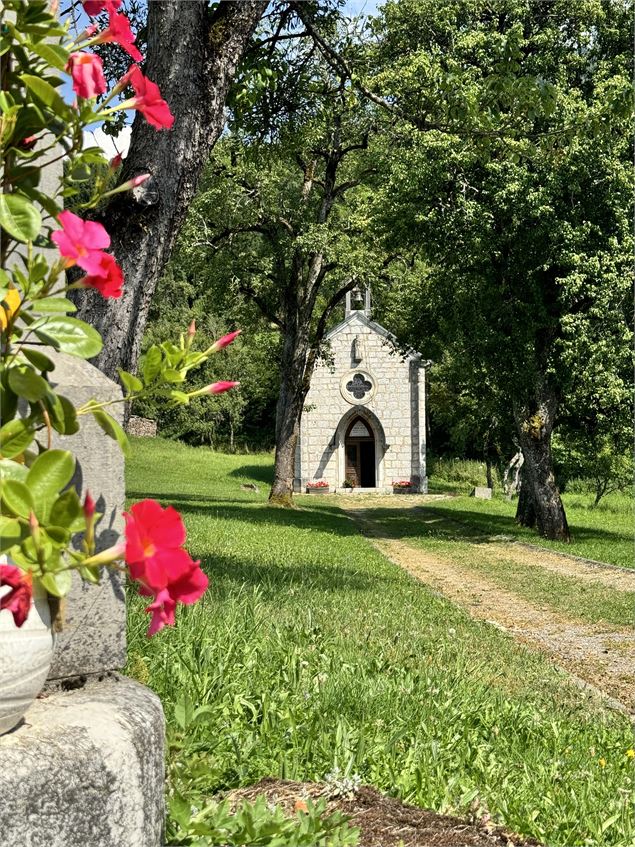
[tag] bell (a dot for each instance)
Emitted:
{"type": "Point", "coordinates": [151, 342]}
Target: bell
{"type": "Point", "coordinates": [358, 296]}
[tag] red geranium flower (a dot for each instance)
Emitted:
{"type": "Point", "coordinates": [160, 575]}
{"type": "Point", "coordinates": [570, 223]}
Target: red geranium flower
{"type": "Point", "coordinates": [18, 600]}
{"type": "Point", "coordinates": [81, 242]}
{"type": "Point", "coordinates": [156, 559]}
{"type": "Point", "coordinates": [119, 31]}
{"type": "Point", "coordinates": [87, 72]}
{"type": "Point", "coordinates": [147, 99]}
{"type": "Point", "coordinates": [110, 279]}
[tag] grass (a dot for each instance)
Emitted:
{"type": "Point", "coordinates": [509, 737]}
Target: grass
{"type": "Point", "coordinates": [433, 529]}
{"type": "Point", "coordinates": [310, 650]}
{"type": "Point", "coordinates": [605, 533]}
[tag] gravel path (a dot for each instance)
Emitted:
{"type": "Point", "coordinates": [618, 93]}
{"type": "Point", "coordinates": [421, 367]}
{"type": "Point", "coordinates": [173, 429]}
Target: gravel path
{"type": "Point", "coordinates": [599, 654]}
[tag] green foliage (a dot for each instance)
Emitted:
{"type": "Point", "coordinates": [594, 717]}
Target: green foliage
{"type": "Point", "coordinates": [259, 825]}
{"type": "Point", "coordinates": [311, 650]}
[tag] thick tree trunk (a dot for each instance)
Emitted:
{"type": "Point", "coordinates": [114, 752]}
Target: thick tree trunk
{"type": "Point", "coordinates": [193, 52]}
{"type": "Point", "coordinates": [539, 503]}
{"type": "Point", "coordinates": [293, 391]}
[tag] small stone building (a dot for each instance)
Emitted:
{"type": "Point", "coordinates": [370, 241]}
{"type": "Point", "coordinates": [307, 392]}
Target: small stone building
{"type": "Point", "coordinates": [364, 417]}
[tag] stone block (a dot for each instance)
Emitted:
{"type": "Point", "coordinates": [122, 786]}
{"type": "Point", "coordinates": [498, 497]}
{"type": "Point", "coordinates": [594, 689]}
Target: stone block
{"type": "Point", "coordinates": [85, 769]}
{"type": "Point", "coordinates": [94, 636]}
{"type": "Point", "coordinates": [482, 492]}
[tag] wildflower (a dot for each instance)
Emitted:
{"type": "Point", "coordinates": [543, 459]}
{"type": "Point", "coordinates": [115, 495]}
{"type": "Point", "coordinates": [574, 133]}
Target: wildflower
{"type": "Point", "coordinates": [109, 279]}
{"type": "Point", "coordinates": [81, 242]}
{"type": "Point", "coordinates": [147, 99]}
{"type": "Point", "coordinates": [18, 600]}
{"type": "Point", "coordinates": [119, 31]}
{"type": "Point", "coordinates": [87, 72]}
{"type": "Point", "coordinates": [630, 753]}
{"type": "Point", "coordinates": [156, 559]}
{"type": "Point", "coordinates": [602, 762]}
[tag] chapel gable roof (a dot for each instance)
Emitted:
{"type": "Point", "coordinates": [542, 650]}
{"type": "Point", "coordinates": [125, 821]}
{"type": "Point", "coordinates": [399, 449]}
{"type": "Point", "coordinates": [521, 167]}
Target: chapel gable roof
{"type": "Point", "coordinates": [360, 317]}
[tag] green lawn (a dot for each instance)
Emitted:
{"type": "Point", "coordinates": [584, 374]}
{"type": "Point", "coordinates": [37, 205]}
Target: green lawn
{"type": "Point", "coordinates": [605, 533]}
{"type": "Point", "coordinates": [311, 650]}
{"type": "Point", "coordinates": [433, 529]}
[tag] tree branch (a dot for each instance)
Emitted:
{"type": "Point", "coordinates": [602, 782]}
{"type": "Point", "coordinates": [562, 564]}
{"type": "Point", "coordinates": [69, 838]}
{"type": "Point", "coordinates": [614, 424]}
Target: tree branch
{"type": "Point", "coordinates": [247, 291]}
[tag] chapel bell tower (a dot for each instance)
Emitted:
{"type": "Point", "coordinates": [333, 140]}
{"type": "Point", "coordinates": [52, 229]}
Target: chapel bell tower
{"type": "Point", "coordinates": [358, 300]}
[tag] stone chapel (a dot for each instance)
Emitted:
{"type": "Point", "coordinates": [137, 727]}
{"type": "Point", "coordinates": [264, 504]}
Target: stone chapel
{"type": "Point", "coordinates": [363, 423]}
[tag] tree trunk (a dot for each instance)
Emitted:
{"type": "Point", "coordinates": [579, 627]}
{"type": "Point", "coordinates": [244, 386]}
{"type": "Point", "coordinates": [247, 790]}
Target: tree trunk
{"type": "Point", "coordinates": [539, 491]}
{"type": "Point", "coordinates": [193, 52]}
{"type": "Point", "coordinates": [293, 391]}
{"type": "Point", "coordinates": [488, 472]}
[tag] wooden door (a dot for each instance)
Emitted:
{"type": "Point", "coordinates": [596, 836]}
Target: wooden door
{"type": "Point", "coordinates": [359, 446]}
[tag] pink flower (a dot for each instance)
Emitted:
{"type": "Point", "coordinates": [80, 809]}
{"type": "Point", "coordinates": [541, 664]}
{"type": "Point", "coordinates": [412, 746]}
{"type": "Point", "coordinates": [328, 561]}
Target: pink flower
{"type": "Point", "coordinates": [147, 99]}
{"type": "Point", "coordinates": [219, 387]}
{"type": "Point", "coordinates": [157, 560]}
{"type": "Point", "coordinates": [115, 162]}
{"type": "Point", "coordinates": [89, 507]}
{"type": "Point", "coordinates": [109, 279]}
{"type": "Point", "coordinates": [87, 72]}
{"type": "Point", "coordinates": [18, 600]}
{"type": "Point", "coordinates": [225, 341]}
{"type": "Point", "coordinates": [81, 242]}
{"type": "Point", "coordinates": [94, 7]}
{"type": "Point", "coordinates": [119, 31]}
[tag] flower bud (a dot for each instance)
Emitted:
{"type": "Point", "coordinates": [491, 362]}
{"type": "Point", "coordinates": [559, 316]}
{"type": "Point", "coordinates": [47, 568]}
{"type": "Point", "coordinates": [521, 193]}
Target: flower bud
{"type": "Point", "coordinates": [191, 330]}
{"type": "Point", "coordinates": [89, 507]}
{"type": "Point", "coordinates": [219, 387]}
{"type": "Point", "coordinates": [225, 341]}
{"type": "Point", "coordinates": [115, 162]}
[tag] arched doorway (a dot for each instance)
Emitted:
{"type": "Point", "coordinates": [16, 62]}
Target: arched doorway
{"type": "Point", "coordinates": [359, 452]}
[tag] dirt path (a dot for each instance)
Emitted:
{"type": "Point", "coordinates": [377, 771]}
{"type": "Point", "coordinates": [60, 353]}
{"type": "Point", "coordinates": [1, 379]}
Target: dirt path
{"type": "Point", "coordinates": [600, 654]}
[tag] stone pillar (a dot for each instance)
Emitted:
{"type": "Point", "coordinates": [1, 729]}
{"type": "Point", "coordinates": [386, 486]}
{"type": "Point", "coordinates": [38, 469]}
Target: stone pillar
{"type": "Point", "coordinates": [422, 429]}
{"type": "Point", "coordinates": [85, 768]}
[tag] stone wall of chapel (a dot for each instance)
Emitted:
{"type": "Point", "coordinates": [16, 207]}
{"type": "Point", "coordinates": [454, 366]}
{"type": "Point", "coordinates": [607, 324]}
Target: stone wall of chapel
{"type": "Point", "coordinates": [395, 403]}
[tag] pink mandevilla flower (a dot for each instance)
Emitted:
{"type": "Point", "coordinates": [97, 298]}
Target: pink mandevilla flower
{"type": "Point", "coordinates": [119, 31]}
{"type": "Point", "coordinates": [156, 559]}
{"type": "Point", "coordinates": [219, 387]}
{"type": "Point", "coordinates": [87, 72]}
{"type": "Point", "coordinates": [81, 242]}
{"type": "Point", "coordinates": [94, 7]}
{"type": "Point", "coordinates": [147, 99]}
{"type": "Point", "coordinates": [18, 600]}
{"type": "Point", "coordinates": [109, 280]}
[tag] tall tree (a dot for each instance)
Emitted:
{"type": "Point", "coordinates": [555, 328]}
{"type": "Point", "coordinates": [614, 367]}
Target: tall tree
{"type": "Point", "coordinates": [530, 247]}
{"type": "Point", "coordinates": [193, 52]}
{"type": "Point", "coordinates": [283, 223]}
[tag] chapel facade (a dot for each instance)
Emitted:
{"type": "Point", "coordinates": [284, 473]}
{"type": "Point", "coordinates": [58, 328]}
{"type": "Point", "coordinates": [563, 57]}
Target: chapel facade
{"type": "Point", "coordinates": [364, 418]}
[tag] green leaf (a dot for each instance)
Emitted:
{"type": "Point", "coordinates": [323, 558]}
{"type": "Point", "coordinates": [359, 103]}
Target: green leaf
{"type": "Point", "coordinates": [17, 498]}
{"type": "Point", "coordinates": [12, 470]}
{"type": "Point", "coordinates": [19, 218]}
{"type": "Point", "coordinates": [58, 534]}
{"type": "Point", "coordinates": [71, 335]}
{"type": "Point", "coordinates": [131, 383]}
{"type": "Point", "coordinates": [59, 305]}
{"type": "Point", "coordinates": [39, 360]}
{"type": "Point", "coordinates": [15, 437]}
{"type": "Point", "coordinates": [63, 416]}
{"type": "Point", "coordinates": [26, 383]}
{"type": "Point", "coordinates": [49, 473]}
{"type": "Point", "coordinates": [113, 429]}
{"type": "Point", "coordinates": [52, 54]}
{"type": "Point", "coordinates": [45, 92]}
{"type": "Point", "coordinates": [151, 364]}
{"type": "Point", "coordinates": [67, 512]}
{"type": "Point", "coordinates": [11, 532]}
{"type": "Point", "coordinates": [58, 584]}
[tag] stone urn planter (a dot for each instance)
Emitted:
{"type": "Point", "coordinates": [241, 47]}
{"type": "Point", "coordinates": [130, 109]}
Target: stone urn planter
{"type": "Point", "coordinates": [25, 658]}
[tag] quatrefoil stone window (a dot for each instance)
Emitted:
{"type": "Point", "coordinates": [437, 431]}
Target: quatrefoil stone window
{"type": "Point", "coordinates": [359, 386]}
